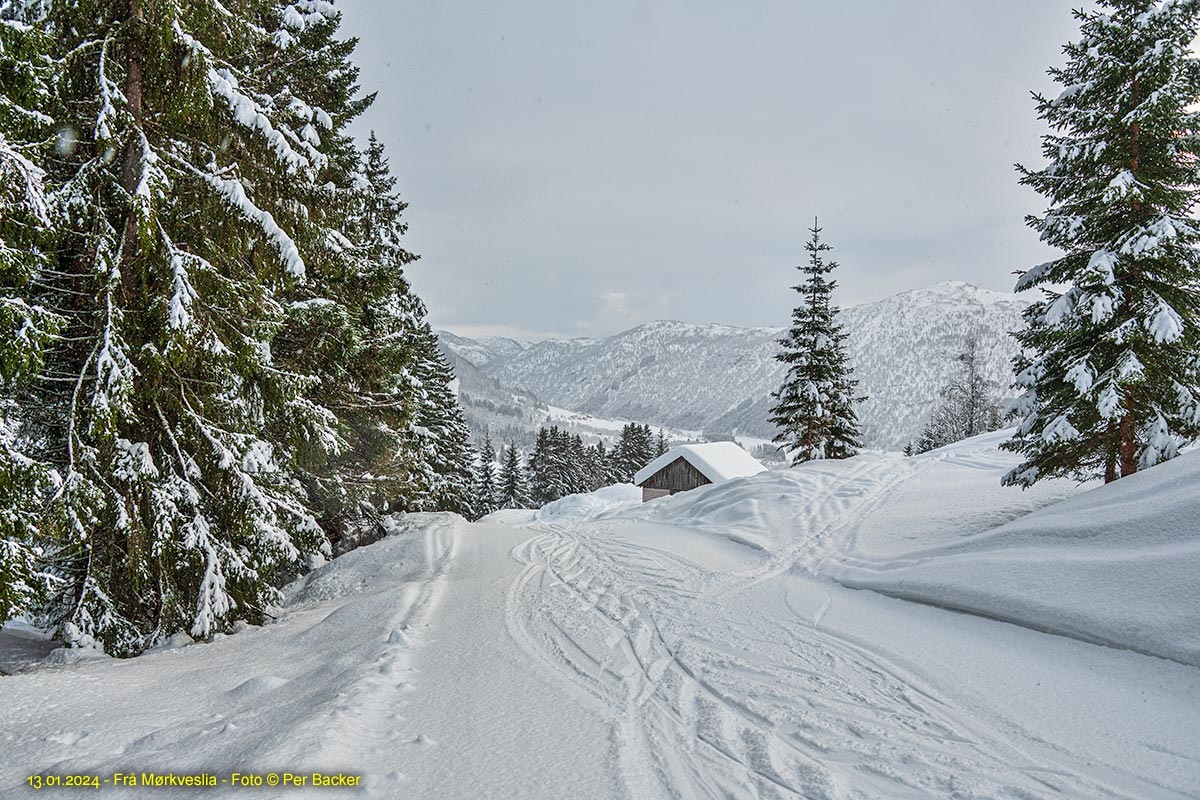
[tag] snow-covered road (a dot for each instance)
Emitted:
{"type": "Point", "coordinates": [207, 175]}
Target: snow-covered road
{"type": "Point", "coordinates": [689, 648]}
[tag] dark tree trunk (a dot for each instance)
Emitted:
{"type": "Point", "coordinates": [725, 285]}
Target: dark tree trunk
{"type": "Point", "coordinates": [1113, 447]}
{"type": "Point", "coordinates": [131, 166]}
{"type": "Point", "coordinates": [1128, 447]}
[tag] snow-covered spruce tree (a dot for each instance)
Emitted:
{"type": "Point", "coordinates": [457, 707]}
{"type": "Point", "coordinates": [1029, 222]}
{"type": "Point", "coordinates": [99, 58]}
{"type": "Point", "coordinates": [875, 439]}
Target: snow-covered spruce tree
{"type": "Point", "coordinates": [439, 441]}
{"type": "Point", "coordinates": [353, 325]}
{"type": "Point", "coordinates": [561, 465]}
{"type": "Point", "coordinates": [1110, 372]}
{"type": "Point", "coordinates": [634, 450]}
{"type": "Point", "coordinates": [514, 491]}
{"type": "Point", "coordinates": [815, 410]}
{"type": "Point", "coordinates": [348, 324]}
{"type": "Point", "coordinates": [967, 407]}
{"type": "Point", "coordinates": [540, 468]}
{"type": "Point", "coordinates": [182, 196]}
{"type": "Point", "coordinates": [26, 80]}
{"type": "Point", "coordinates": [484, 490]}
{"type": "Point", "coordinates": [604, 457]}
{"type": "Point", "coordinates": [597, 466]}
{"type": "Point", "coordinates": [575, 463]}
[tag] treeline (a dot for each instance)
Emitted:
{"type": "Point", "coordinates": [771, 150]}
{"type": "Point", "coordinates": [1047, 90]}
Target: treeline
{"type": "Point", "coordinates": [967, 407]}
{"type": "Point", "coordinates": [560, 465]}
{"type": "Point", "coordinates": [211, 361]}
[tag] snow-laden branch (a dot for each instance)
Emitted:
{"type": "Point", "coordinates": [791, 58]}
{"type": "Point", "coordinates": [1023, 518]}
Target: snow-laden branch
{"type": "Point", "coordinates": [223, 84]}
{"type": "Point", "coordinates": [234, 193]}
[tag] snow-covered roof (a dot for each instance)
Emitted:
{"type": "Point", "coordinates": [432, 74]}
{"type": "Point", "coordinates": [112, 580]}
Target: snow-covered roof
{"type": "Point", "coordinates": [717, 461]}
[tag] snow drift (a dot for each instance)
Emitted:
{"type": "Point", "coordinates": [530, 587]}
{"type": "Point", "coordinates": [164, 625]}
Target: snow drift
{"type": "Point", "coordinates": [584, 507]}
{"type": "Point", "coordinates": [1118, 565]}
{"type": "Point", "coordinates": [777, 510]}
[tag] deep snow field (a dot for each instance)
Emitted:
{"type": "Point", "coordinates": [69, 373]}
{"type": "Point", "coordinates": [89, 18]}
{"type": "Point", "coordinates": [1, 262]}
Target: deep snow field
{"type": "Point", "coordinates": [882, 627]}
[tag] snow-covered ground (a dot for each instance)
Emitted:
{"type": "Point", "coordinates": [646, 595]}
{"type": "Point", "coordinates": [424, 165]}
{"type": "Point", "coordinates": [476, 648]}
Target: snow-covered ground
{"type": "Point", "coordinates": [704, 645]}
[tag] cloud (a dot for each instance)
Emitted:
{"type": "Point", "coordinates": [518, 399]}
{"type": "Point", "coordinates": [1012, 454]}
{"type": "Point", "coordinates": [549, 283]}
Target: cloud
{"type": "Point", "coordinates": [581, 169]}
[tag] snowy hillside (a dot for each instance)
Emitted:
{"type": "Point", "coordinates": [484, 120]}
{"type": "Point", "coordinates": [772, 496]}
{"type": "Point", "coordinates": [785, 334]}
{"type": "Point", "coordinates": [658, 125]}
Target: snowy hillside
{"type": "Point", "coordinates": [515, 415]}
{"type": "Point", "coordinates": [705, 645]}
{"type": "Point", "coordinates": [508, 414]}
{"type": "Point", "coordinates": [718, 378]}
{"type": "Point", "coordinates": [483, 350]}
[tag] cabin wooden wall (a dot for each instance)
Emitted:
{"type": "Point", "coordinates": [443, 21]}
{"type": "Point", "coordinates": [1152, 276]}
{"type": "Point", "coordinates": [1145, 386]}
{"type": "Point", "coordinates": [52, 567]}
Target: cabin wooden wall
{"type": "Point", "coordinates": [678, 476]}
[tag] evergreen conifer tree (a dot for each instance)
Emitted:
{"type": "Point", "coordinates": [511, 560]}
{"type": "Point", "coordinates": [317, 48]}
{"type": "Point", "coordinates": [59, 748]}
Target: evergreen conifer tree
{"type": "Point", "coordinates": [597, 457]}
{"type": "Point", "coordinates": [514, 492]}
{"type": "Point", "coordinates": [350, 324]}
{"type": "Point", "coordinates": [1110, 371]}
{"type": "Point", "coordinates": [217, 353]}
{"type": "Point", "coordinates": [181, 181]}
{"type": "Point", "coordinates": [634, 450]}
{"type": "Point", "coordinates": [484, 499]}
{"type": "Point", "coordinates": [815, 410]}
{"type": "Point", "coordinates": [539, 469]}
{"type": "Point", "coordinates": [26, 79]}
{"type": "Point", "coordinates": [440, 441]}
{"type": "Point", "coordinates": [578, 466]}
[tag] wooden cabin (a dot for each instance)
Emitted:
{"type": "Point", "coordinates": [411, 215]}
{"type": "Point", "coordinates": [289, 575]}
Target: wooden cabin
{"type": "Point", "coordinates": [691, 466]}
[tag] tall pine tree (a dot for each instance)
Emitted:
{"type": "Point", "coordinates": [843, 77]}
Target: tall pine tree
{"type": "Point", "coordinates": [439, 441]}
{"type": "Point", "coordinates": [216, 359]}
{"type": "Point", "coordinates": [815, 410]}
{"type": "Point", "coordinates": [1110, 373]}
{"type": "Point", "coordinates": [344, 325]}
{"type": "Point", "coordinates": [183, 183]}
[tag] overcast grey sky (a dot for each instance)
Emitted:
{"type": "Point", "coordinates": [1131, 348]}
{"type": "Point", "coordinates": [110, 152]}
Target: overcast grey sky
{"type": "Point", "coordinates": [577, 168]}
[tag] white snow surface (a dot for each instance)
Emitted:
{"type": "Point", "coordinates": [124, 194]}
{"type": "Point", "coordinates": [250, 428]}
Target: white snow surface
{"type": "Point", "coordinates": [717, 461]}
{"type": "Point", "coordinates": [1115, 565]}
{"type": "Point", "coordinates": [705, 645]}
{"type": "Point", "coordinates": [588, 506]}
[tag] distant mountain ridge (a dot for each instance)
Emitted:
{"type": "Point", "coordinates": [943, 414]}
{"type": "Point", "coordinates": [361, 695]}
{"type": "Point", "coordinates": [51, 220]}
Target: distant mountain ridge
{"type": "Point", "coordinates": [483, 350]}
{"type": "Point", "coordinates": [718, 379]}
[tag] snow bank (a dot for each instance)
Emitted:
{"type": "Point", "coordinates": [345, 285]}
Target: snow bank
{"type": "Point", "coordinates": [1118, 565]}
{"type": "Point", "coordinates": [583, 507]}
{"type": "Point", "coordinates": [510, 516]}
{"type": "Point", "coordinates": [777, 510]}
{"type": "Point", "coordinates": [398, 558]}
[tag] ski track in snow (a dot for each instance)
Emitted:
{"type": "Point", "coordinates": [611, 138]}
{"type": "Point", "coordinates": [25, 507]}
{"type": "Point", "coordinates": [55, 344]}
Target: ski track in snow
{"type": "Point", "coordinates": [715, 700]}
{"type": "Point", "coordinates": [339, 711]}
{"type": "Point", "coordinates": [360, 729]}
